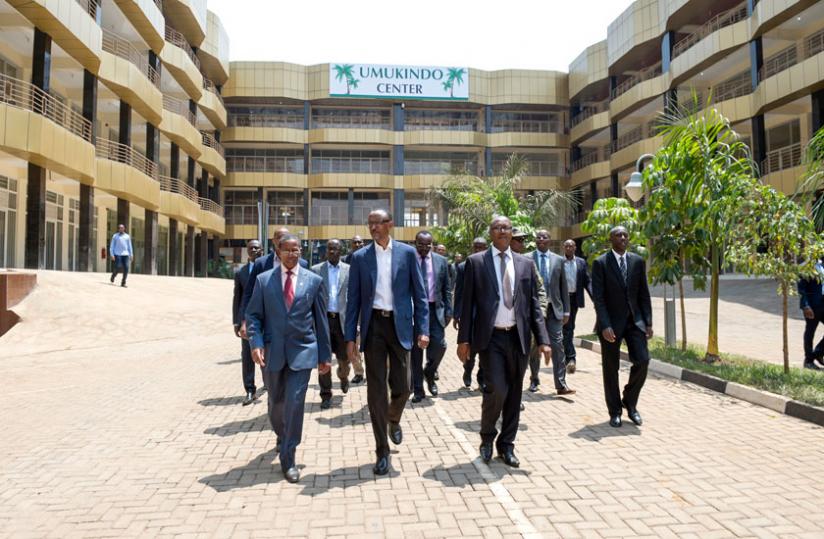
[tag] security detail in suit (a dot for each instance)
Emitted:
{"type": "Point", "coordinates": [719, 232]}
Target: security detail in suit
{"type": "Point", "coordinates": [253, 250]}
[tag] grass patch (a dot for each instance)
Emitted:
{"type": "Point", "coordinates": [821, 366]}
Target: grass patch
{"type": "Point", "coordinates": [803, 385]}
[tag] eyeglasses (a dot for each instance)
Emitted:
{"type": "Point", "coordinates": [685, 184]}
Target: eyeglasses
{"type": "Point", "coordinates": [501, 228]}
{"type": "Point", "coordinates": [290, 252]}
{"type": "Point", "coordinates": [378, 223]}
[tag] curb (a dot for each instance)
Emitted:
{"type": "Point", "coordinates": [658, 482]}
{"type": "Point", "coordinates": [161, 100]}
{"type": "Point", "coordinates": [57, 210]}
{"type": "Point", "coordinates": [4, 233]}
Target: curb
{"type": "Point", "coordinates": [776, 403]}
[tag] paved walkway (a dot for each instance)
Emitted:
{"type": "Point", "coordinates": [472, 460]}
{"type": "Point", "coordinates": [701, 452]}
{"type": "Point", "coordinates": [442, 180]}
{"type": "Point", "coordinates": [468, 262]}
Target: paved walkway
{"type": "Point", "coordinates": [136, 430]}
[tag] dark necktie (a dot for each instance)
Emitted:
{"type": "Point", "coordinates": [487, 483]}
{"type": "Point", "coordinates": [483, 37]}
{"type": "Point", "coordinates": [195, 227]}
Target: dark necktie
{"type": "Point", "coordinates": [288, 291]}
{"type": "Point", "coordinates": [506, 284]}
{"type": "Point", "coordinates": [425, 277]}
{"type": "Point", "coordinates": [623, 267]}
{"type": "Point", "coordinates": [543, 268]}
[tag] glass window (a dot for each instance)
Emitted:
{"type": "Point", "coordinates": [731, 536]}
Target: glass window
{"type": "Point", "coordinates": [441, 120]}
{"type": "Point", "coordinates": [784, 135]}
{"type": "Point", "coordinates": [350, 161]}
{"type": "Point", "coordinates": [366, 203]}
{"type": "Point", "coordinates": [264, 160]}
{"type": "Point", "coordinates": [351, 118]}
{"type": "Point", "coordinates": [265, 116]}
{"type": "Point", "coordinates": [240, 207]}
{"type": "Point", "coordinates": [538, 164]}
{"type": "Point", "coordinates": [527, 122]}
{"type": "Point", "coordinates": [286, 208]}
{"type": "Point", "coordinates": [440, 163]}
{"type": "Point", "coordinates": [418, 211]}
{"type": "Point", "coordinates": [329, 208]}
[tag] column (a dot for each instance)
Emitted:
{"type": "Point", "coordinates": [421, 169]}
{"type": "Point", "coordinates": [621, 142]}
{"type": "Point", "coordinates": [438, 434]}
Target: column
{"type": "Point", "coordinates": [174, 161]}
{"type": "Point", "coordinates": [190, 172]}
{"type": "Point", "coordinates": [305, 207]}
{"type": "Point", "coordinates": [123, 209]}
{"type": "Point", "coordinates": [307, 114]}
{"type": "Point", "coordinates": [397, 160]}
{"type": "Point", "coordinates": [756, 61]}
{"type": "Point", "coordinates": [307, 154]}
{"type": "Point", "coordinates": [398, 117]}
{"type": "Point", "coordinates": [124, 136]}
{"type": "Point", "coordinates": [399, 203]}
{"type": "Point", "coordinates": [150, 243]}
{"type": "Point", "coordinates": [488, 172]}
{"type": "Point", "coordinates": [759, 140]}
{"type": "Point", "coordinates": [173, 247]}
{"type": "Point", "coordinates": [350, 207]}
{"type": "Point", "coordinates": [667, 44]}
{"type": "Point", "coordinates": [189, 252]}
{"type": "Point", "coordinates": [818, 110]}
{"type": "Point", "coordinates": [216, 192]}
{"type": "Point", "coordinates": [85, 261]}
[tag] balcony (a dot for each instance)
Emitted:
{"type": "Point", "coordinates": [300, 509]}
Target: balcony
{"type": "Point", "coordinates": [212, 105]}
{"type": "Point", "coordinates": [126, 173]}
{"type": "Point", "coordinates": [352, 126]}
{"type": "Point", "coordinates": [591, 166]}
{"type": "Point", "coordinates": [179, 200]}
{"type": "Point", "coordinates": [91, 7]}
{"type": "Point", "coordinates": [265, 171]}
{"type": "Point", "coordinates": [722, 20]}
{"type": "Point", "coordinates": [39, 128]}
{"type": "Point", "coordinates": [243, 127]}
{"type": "Point", "coordinates": [211, 216]}
{"type": "Point", "coordinates": [442, 128]}
{"type": "Point", "coordinates": [641, 139]}
{"type": "Point", "coordinates": [792, 55]}
{"type": "Point", "coordinates": [592, 118]}
{"type": "Point", "coordinates": [629, 83]}
{"type": "Point", "coordinates": [180, 125]}
{"type": "Point", "coordinates": [182, 63]}
{"type": "Point", "coordinates": [354, 171]}
{"type": "Point", "coordinates": [127, 72]}
{"type": "Point", "coordinates": [637, 90]}
{"type": "Point", "coordinates": [213, 157]}
{"type": "Point", "coordinates": [791, 73]}
{"type": "Point", "coordinates": [780, 168]}
{"type": "Point", "coordinates": [147, 18]}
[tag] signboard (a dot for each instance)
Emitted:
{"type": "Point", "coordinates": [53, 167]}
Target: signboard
{"type": "Point", "coordinates": [399, 82]}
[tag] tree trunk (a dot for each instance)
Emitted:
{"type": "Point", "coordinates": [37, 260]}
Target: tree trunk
{"type": "Point", "coordinates": [683, 307]}
{"type": "Point", "coordinates": [712, 338]}
{"type": "Point", "coordinates": [784, 293]}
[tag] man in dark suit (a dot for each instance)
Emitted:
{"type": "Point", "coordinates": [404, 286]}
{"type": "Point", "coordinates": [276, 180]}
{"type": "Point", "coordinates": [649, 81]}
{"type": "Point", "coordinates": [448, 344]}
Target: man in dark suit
{"type": "Point", "coordinates": [577, 277]}
{"type": "Point", "coordinates": [289, 334]}
{"type": "Point", "coordinates": [264, 263]}
{"type": "Point", "coordinates": [500, 308]}
{"type": "Point", "coordinates": [453, 269]}
{"type": "Point", "coordinates": [812, 304]}
{"type": "Point", "coordinates": [435, 272]}
{"type": "Point", "coordinates": [355, 244]}
{"type": "Point", "coordinates": [624, 313]}
{"type": "Point", "coordinates": [387, 299]}
{"type": "Point", "coordinates": [479, 245]}
{"type": "Point", "coordinates": [241, 277]}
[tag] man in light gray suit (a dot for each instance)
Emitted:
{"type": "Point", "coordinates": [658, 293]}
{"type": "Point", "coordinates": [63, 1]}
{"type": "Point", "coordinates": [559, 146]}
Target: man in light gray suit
{"type": "Point", "coordinates": [335, 274]}
{"type": "Point", "coordinates": [289, 336]}
{"type": "Point", "coordinates": [551, 269]}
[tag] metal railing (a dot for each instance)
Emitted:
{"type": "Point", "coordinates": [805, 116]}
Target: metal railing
{"type": "Point", "coordinates": [436, 167]}
{"type": "Point", "coordinates": [782, 158]}
{"type": "Point", "coordinates": [350, 165]}
{"type": "Point", "coordinates": [628, 138]}
{"type": "Point", "coordinates": [24, 95]}
{"type": "Point", "coordinates": [118, 46]}
{"type": "Point", "coordinates": [179, 106]}
{"type": "Point", "coordinates": [290, 121]}
{"type": "Point", "coordinates": [432, 123]}
{"type": "Point", "coordinates": [722, 20]}
{"type": "Point", "coordinates": [90, 7]}
{"type": "Point", "coordinates": [176, 38]}
{"type": "Point", "coordinates": [210, 86]}
{"type": "Point", "coordinates": [589, 111]}
{"type": "Point", "coordinates": [790, 56]}
{"type": "Point", "coordinates": [238, 163]}
{"type": "Point", "coordinates": [533, 168]}
{"type": "Point", "coordinates": [596, 156]}
{"type": "Point", "coordinates": [527, 126]}
{"type": "Point", "coordinates": [121, 153]}
{"type": "Point", "coordinates": [176, 185]}
{"type": "Point", "coordinates": [211, 142]}
{"type": "Point", "coordinates": [211, 205]}
{"type": "Point", "coordinates": [737, 86]}
{"type": "Point", "coordinates": [643, 75]}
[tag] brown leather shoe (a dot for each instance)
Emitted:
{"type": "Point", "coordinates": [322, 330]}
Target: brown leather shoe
{"type": "Point", "coordinates": [566, 391]}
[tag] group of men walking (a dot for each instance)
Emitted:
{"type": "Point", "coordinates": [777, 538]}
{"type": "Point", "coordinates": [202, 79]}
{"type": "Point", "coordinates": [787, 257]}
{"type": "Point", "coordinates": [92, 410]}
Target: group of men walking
{"type": "Point", "coordinates": [392, 302]}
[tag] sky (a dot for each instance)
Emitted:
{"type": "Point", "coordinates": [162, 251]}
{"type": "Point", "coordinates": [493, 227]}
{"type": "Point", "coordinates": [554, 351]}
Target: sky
{"type": "Point", "coordinates": [518, 34]}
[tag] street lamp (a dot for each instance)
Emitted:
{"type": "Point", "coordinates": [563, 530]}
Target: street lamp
{"type": "Point", "coordinates": [635, 191]}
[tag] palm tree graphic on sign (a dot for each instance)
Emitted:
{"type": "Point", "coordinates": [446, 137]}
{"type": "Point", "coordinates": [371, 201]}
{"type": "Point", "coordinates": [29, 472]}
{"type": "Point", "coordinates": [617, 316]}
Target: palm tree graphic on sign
{"type": "Point", "coordinates": [344, 72]}
{"type": "Point", "coordinates": [454, 75]}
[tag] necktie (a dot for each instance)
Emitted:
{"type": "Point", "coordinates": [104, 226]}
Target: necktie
{"type": "Point", "coordinates": [506, 284]}
{"type": "Point", "coordinates": [425, 277]}
{"type": "Point", "coordinates": [288, 291]}
{"type": "Point", "coordinates": [543, 268]}
{"type": "Point", "coordinates": [623, 267]}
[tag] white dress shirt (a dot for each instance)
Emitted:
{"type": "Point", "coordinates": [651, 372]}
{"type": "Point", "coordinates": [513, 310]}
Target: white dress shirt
{"type": "Point", "coordinates": [384, 300]}
{"type": "Point", "coordinates": [504, 318]}
{"type": "Point", "coordinates": [283, 270]}
{"type": "Point", "coordinates": [333, 272]}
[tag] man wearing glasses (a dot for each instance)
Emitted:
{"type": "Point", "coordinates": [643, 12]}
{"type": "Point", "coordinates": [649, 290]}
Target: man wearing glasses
{"type": "Point", "coordinates": [388, 300]}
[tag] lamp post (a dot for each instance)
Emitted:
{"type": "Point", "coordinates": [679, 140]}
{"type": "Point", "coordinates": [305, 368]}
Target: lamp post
{"type": "Point", "coordinates": [635, 191]}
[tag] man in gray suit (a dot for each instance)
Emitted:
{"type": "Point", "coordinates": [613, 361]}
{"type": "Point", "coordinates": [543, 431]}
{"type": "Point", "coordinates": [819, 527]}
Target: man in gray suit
{"type": "Point", "coordinates": [435, 272]}
{"type": "Point", "coordinates": [551, 269]}
{"type": "Point", "coordinates": [335, 274]}
{"type": "Point", "coordinates": [289, 336]}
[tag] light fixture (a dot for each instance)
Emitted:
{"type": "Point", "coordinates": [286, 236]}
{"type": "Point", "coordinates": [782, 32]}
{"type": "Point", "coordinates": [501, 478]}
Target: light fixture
{"type": "Point", "coordinates": [635, 186]}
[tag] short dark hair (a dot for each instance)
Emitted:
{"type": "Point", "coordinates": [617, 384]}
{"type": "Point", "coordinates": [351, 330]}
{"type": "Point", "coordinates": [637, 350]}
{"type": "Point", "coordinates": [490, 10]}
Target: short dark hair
{"type": "Point", "coordinates": [615, 229]}
{"type": "Point", "coordinates": [423, 233]}
{"type": "Point", "coordinates": [383, 211]}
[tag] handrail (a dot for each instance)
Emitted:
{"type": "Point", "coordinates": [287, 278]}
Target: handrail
{"type": "Point", "coordinates": [210, 86]}
{"type": "Point", "coordinates": [243, 163]}
{"type": "Point", "coordinates": [643, 75]}
{"type": "Point", "coordinates": [179, 40]}
{"type": "Point", "coordinates": [736, 86]}
{"type": "Point", "coordinates": [797, 52]}
{"type": "Point", "coordinates": [628, 138]}
{"type": "Point", "coordinates": [90, 6]}
{"type": "Point", "coordinates": [121, 153]}
{"type": "Point", "coordinates": [527, 126]}
{"type": "Point", "coordinates": [24, 95]}
{"type": "Point", "coordinates": [722, 20]}
{"type": "Point", "coordinates": [179, 106]}
{"type": "Point", "coordinates": [288, 121]}
{"type": "Point", "coordinates": [588, 112]}
{"type": "Point", "coordinates": [211, 142]}
{"type": "Point", "coordinates": [211, 205]}
{"type": "Point", "coordinates": [176, 185]}
{"type": "Point", "coordinates": [596, 156]}
{"type": "Point", "coordinates": [782, 158]}
{"type": "Point", "coordinates": [118, 46]}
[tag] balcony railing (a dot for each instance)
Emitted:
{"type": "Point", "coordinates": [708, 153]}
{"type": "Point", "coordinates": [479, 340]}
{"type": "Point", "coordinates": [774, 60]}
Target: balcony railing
{"type": "Point", "coordinates": [438, 167]}
{"type": "Point", "coordinates": [118, 46]}
{"type": "Point", "coordinates": [440, 124]}
{"type": "Point", "coordinates": [344, 165]}
{"type": "Point", "coordinates": [790, 56]}
{"type": "Point", "coordinates": [628, 138]}
{"type": "Point", "coordinates": [722, 20]}
{"type": "Point", "coordinates": [533, 168]}
{"type": "Point", "coordinates": [179, 106]}
{"type": "Point", "coordinates": [212, 206]}
{"type": "Point", "coordinates": [210, 86]}
{"type": "Point", "coordinates": [24, 95]}
{"type": "Point", "coordinates": [595, 156]}
{"type": "Point", "coordinates": [176, 185]}
{"type": "Point", "coordinates": [737, 86]}
{"type": "Point", "coordinates": [289, 121]}
{"type": "Point", "coordinates": [527, 126]}
{"type": "Point", "coordinates": [643, 75]}
{"type": "Point", "coordinates": [90, 6]}
{"type": "Point", "coordinates": [588, 111]}
{"type": "Point", "coordinates": [239, 163]}
{"type": "Point", "coordinates": [353, 120]}
{"type": "Point", "coordinates": [782, 158]}
{"type": "Point", "coordinates": [121, 153]}
{"type": "Point", "coordinates": [211, 142]}
{"type": "Point", "coordinates": [176, 38]}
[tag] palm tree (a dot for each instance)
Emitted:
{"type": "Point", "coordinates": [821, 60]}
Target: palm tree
{"type": "Point", "coordinates": [344, 72]}
{"type": "Point", "coordinates": [454, 74]}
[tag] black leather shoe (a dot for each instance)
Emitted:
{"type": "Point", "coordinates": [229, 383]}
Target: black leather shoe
{"type": "Point", "coordinates": [344, 386]}
{"type": "Point", "coordinates": [277, 448]}
{"type": "Point", "coordinates": [510, 459]}
{"type": "Point", "coordinates": [486, 452]}
{"type": "Point", "coordinates": [635, 417]}
{"type": "Point", "coordinates": [467, 383]}
{"type": "Point", "coordinates": [395, 433]}
{"type": "Point", "coordinates": [112, 279]}
{"type": "Point", "coordinates": [432, 387]}
{"type": "Point", "coordinates": [292, 475]}
{"type": "Point", "coordinates": [566, 391]}
{"type": "Point", "coordinates": [533, 387]}
{"type": "Point", "coordinates": [570, 367]}
{"type": "Point", "coordinates": [325, 404]}
{"type": "Point", "coordinates": [812, 366]}
{"type": "Point", "coordinates": [381, 466]}
{"type": "Point", "coordinates": [436, 377]}
{"type": "Point", "coordinates": [615, 421]}
{"type": "Point", "coordinates": [357, 379]}
{"type": "Point", "coordinates": [250, 398]}
{"type": "Point", "coordinates": [123, 285]}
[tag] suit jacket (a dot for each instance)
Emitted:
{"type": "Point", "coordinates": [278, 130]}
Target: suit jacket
{"type": "Point", "coordinates": [481, 295]}
{"type": "Point", "coordinates": [581, 282]}
{"type": "Point", "coordinates": [264, 263]}
{"type": "Point", "coordinates": [555, 288]}
{"type": "Point", "coordinates": [322, 269]}
{"type": "Point", "coordinates": [411, 308]}
{"type": "Point", "coordinates": [809, 292]}
{"type": "Point", "coordinates": [458, 295]}
{"type": "Point", "coordinates": [616, 302]}
{"type": "Point", "coordinates": [443, 289]}
{"type": "Point", "coordinates": [297, 337]}
{"type": "Point", "coordinates": [241, 277]}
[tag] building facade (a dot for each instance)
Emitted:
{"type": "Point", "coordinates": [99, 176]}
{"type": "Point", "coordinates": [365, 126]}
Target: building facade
{"type": "Point", "coordinates": [130, 112]}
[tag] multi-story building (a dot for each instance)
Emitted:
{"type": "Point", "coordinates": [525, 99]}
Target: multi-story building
{"type": "Point", "coordinates": [113, 111]}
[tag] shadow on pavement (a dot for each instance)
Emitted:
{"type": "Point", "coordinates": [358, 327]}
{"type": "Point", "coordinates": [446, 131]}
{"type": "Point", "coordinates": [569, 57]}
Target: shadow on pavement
{"type": "Point", "coordinates": [594, 433]}
{"type": "Point", "coordinates": [222, 401]}
{"type": "Point", "coordinates": [537, 397]}
{"type": "Point", "coordinates": [261, 470]}
{"type": "Point", "coordinates": [461, 393]}
{"type": "Point", "coordinates": [475, 426]}
{"type": "Point", "coordinates": [342, 478]}
{"type": "Point", "coordinates": [465, 474]}
{"type": "Point", "coordinates": [229, 362]}
{"type": "Point", "coordinates": [359, 417]}
{"type": "Point", "coordinates": [258, 424]}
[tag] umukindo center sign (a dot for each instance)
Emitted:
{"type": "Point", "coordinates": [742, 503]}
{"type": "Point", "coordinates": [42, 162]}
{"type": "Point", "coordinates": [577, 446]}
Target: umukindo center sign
{"type": "Point", "coordinates": [407, 82]}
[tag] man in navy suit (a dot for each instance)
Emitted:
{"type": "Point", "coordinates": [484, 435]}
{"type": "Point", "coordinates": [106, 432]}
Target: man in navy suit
{"type": "Point", "coordinates": [241, 277]}
{"type": "Point", "coordinates": [289, 334]}
{"type": "Point", "coordinates": [388, 300]}
{"type": "Point", "coordinates": [575, 269]}
{"type": "Point", "coordinates": [435, 272]}
{"type": "Point", "coordinates": [812, 304]}
{"type": "Point", "coordinates": [479, 245]}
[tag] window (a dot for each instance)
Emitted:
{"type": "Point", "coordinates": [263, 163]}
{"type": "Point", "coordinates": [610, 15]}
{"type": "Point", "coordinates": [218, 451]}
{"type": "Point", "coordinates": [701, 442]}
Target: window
{"type": "Point", "coordinates": [538, 164]}
{"type": "Point", "coordinates": [265, 116]}
{"type": "Point", "coordinates": [286, 208]}
{"type": "Point", "coordinates": [264, 160]}
{"type": "Point", "coordinates": [441, 120]}
{"type": "Point", "coordinates": [784, 135]}
{"type": "Point", "coordinates": [9, 69]}
{"type": "Point", "coordinates": [8, 221]}
{"type": "Point", "coordinates": [527, 122]}
{"type": "Point", "coordinates": [366, 203]}
{"type": "Point", "coordinates": [351, 118]}
{"type": "Point", "coordinates": [418, 211]}
{"type": "Point", "coordinates": [440, 163]}
{"type": "Point", "coordinates": [350, 161]}
{"type": "Point", "coordinates": [240, 207]}
{"type": "Point", "coordinates": [330, 208]}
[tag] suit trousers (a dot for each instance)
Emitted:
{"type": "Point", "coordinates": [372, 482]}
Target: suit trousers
{"type": "Point", "coordinates": [467, 375]}
{"type": "Point", "coordinates": [569, 329]}
{"type": "Point", "coordinates": [611, 361]}
{"type": "Point", "coordinates": [504, 367]}
{"type": "Point", "coordinates": [554, 328]}
{"type": "Point", "coordinates": [339, 350]}
{"type": "Point", "coordinates": [287, 395]}
{"type": "Point", "coordinates": [811, 353]}
{"type": "Point", "coordinates": [386, 360]}
{"type": "Point", "coordinates": [434, 354]}
{"type": "Point", "coordinates": [248, 367]}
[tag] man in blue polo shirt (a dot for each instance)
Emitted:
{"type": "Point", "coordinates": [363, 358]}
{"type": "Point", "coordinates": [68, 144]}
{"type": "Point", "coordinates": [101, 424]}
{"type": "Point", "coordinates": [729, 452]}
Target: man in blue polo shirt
{"type": "Point", "coordinates": [121, 252]}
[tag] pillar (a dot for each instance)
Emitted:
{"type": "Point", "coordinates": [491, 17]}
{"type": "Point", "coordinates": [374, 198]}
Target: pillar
{"type": "Point", "coordinates": [307, 114]}
{"type": "Point", "coordinates": [307, 154]}
{"type": "Point", "coordinates": [190, 172]}
{"type": "Point", "coordinates": [173, 247]}
{"type": "Point", "coordinates": [125, 124]}
{"type": "Point", "coordinates": [818, 110]}
{"type": "Point", "coordinates": [150, 243]}
{"type": "Point", "coordinates": [488, 118]}
{"type": "Point", "coordinates": [350, 207]}
{"type": "Point", "coordinates": [756, 60]}
{"type": "Point", "coordinates": [202, 254]}
{"type": "Point", "coordinates": [123, 209]}
{"type": "Point", "coordinates": [85, 261]}
{"type": "Point", "coordinates": [667, 44]}
{"type": "Point", "coordinates": [399, 203]}
{"type": "Point", "coordinates": [397, 161]}
{"type": "Point", "coordinates": [759, 140]}
{"type": "Point", "coordinates": [174, 161]}
{"type": "Point", "coordinates": [216, 192]}
{"type": "Point", "coordinates": [488, 162]}
{"type": "Point", "coordinates": [189, 254]}
{"type": "Point", "coordinates": [398, 117]}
